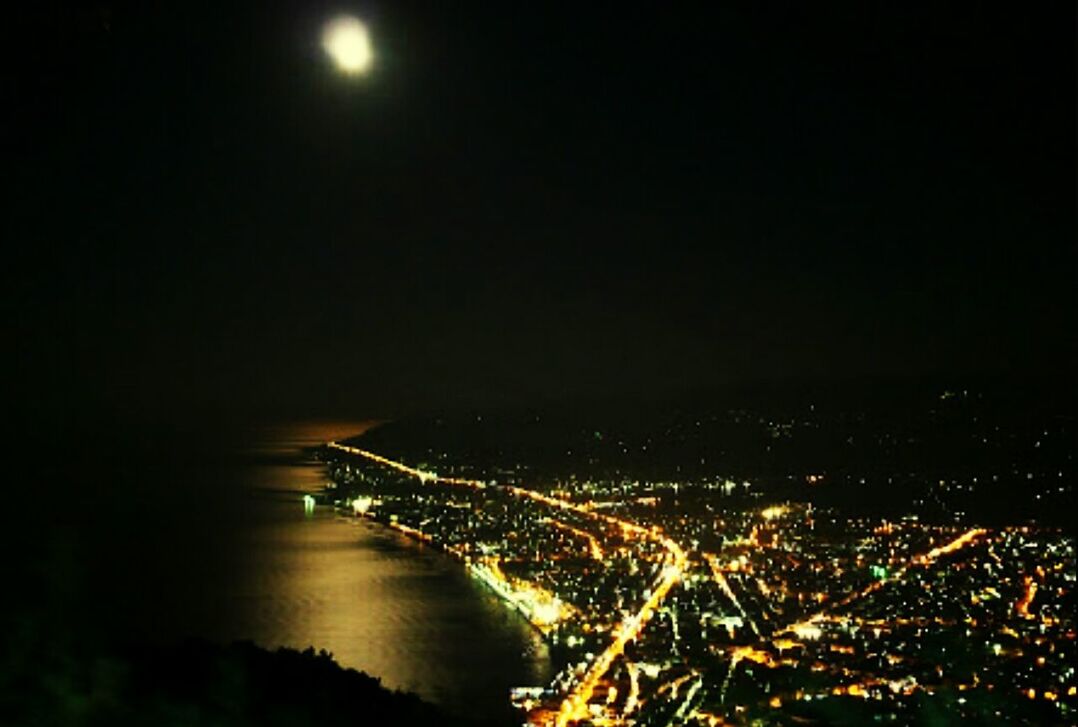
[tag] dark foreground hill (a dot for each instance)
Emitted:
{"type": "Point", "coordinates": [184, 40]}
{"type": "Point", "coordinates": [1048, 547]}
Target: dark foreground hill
{"type": "Point", "coordinates": [198, 683]}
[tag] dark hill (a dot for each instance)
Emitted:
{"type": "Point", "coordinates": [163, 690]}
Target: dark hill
{"type": "Point", "coordinates": [198, 683]}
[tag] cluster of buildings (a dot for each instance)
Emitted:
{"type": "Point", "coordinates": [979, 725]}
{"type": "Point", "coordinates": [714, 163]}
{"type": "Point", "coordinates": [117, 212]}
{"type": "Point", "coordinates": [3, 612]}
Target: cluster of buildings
{"type": "Point", "coordinates": [710, 603]}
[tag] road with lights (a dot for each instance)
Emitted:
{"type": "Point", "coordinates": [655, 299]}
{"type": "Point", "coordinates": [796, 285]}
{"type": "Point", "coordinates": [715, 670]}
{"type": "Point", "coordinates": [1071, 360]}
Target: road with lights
{"type": "Point", "coordinates": [574, 707]}
{"type": "Point", "coordinates": [743, 592]}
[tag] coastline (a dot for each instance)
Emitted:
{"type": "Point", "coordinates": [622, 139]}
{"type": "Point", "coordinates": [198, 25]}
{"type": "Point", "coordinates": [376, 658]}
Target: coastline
{"type": "Point", "coordinates": [419, 631]}
{"type": "Point", "coordinates": [574, 706]}
{"type": "Point", "coordinates": [477, 571]}
{"type": "Point", "coordinates": [541, 615]}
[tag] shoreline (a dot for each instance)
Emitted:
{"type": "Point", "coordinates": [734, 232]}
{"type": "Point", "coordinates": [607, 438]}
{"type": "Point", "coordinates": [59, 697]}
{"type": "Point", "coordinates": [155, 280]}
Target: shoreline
{"type": "Point", "coordinates": [573, 706]}
{"type": "Point", "coordinates": [474, 570]}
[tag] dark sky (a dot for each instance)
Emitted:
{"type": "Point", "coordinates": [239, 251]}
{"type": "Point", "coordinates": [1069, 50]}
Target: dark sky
{"type": "Point", "coordinates": [527, 202]}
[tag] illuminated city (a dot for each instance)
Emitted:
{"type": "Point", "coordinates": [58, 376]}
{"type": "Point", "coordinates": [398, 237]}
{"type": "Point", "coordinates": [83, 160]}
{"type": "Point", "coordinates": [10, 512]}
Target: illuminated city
{"type": "Point", "coordinates": [716, 602]}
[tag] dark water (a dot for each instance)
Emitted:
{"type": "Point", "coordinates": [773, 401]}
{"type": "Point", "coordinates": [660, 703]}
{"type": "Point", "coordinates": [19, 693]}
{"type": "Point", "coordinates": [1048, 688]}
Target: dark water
{"type": "Point", "coordinates": [215, 543]}
{"type": "Point", "coordinates": [379, 601]}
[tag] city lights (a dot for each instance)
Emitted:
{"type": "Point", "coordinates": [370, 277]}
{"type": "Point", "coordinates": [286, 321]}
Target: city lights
{"type": "Point", "coordinates": [641, 594]}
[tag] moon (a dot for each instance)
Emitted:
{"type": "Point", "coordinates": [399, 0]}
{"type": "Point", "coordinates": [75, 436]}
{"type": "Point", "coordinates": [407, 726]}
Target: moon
{"type": "Point", "coordinates": [348, 43]}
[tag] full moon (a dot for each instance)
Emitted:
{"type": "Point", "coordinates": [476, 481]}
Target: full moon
{"type": "Point", "coordinates": [347, 42]}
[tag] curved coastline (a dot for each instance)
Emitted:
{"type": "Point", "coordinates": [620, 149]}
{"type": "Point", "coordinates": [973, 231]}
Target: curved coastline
{"type": "Point", "coordinates": [574, 706]}
{"type": "Point", "coordinates": [477, 571]}
{"type": "Point", "coordinates": [370, 596]}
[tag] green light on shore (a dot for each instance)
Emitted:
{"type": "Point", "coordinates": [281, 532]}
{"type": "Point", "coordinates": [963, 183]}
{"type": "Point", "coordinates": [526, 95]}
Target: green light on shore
{"type": "Point", "coordinates": [308, 503]}
{"type": "Point", "coordinates": [878, 572]}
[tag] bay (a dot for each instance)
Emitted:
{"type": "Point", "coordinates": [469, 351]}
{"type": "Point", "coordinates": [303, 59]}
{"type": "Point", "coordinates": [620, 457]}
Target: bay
{"type": "Point", "coordinates": [205, 535]}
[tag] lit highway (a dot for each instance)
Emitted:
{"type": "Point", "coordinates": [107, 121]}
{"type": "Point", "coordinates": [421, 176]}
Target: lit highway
{"type": "Point", "coordinates": [574, 707]}
{"type": "Point", "coordinates": [808, 626]}
{"type": "Point", "coordinates": [747, 591]}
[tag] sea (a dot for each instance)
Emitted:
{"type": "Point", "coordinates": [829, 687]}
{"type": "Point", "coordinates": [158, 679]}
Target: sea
{"type": "Point", "coordinates": [214, 542]}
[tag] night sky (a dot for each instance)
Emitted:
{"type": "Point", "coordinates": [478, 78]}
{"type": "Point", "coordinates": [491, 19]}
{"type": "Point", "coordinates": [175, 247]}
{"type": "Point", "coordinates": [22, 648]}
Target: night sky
{"type": "Point", "coordinates": [530, 202]}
